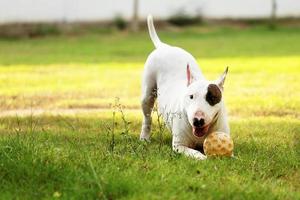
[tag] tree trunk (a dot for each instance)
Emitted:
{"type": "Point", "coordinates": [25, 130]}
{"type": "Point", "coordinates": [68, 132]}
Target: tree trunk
{"type": "Point", "coordinates": [273, 14]}
{"type": "Point", "coordinates": [135, 17]}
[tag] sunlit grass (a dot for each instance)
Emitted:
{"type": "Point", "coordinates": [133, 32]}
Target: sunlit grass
{"type": "Point", "coordinates": [254, 86]}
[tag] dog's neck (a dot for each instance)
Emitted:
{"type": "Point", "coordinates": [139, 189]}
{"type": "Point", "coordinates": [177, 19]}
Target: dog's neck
{"type": "Point", "coordinates": [220, 121]}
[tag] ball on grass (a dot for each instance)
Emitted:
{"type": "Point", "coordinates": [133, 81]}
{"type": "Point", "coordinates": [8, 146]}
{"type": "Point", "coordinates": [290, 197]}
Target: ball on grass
{"type": "Point", "coordinates": [218, 144]}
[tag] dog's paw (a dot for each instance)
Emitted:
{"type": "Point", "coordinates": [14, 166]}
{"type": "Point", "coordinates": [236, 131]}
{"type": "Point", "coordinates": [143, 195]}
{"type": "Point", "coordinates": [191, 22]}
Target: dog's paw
{"type": "Point", "coordinates": [201, 157]}
{"type": "Point", "coordinates": [144, 138]}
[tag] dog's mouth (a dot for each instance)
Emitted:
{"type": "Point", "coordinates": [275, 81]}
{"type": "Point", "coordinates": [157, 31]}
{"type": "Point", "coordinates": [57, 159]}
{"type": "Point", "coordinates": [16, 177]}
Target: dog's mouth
{"type": "Point", "coordinates": [200, 131]}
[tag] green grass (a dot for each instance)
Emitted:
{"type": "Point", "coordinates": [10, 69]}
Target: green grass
{"type": "Point", "coordinates": [44, 155]}
{"type": "Point", "coordinates": [92, 155]}
{"type": "Point", "coordinates": [205, 42]}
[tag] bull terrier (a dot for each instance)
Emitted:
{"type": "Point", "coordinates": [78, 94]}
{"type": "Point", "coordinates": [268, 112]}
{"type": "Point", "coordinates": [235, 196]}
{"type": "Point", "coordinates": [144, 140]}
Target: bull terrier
{"type": "Point", "coordinates": [191, 106]}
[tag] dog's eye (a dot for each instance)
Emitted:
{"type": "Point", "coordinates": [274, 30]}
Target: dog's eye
{"type": "Point", "coordinates": [191, 96]}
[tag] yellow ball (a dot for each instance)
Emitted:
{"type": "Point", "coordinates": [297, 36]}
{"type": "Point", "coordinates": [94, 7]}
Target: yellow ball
{"type": "Point", "coordinates": [218, 144]}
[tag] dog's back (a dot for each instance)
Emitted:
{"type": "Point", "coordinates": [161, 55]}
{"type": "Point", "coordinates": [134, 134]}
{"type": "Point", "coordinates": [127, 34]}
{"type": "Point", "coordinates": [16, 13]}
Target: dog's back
{"type": "Point", "coordinates": [165, 68]}
{"type": "Point", "coordinates": [165, 74]}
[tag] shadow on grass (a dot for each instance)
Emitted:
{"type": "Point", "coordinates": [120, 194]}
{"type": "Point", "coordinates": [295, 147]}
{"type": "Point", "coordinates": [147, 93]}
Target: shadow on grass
{"type": "Point", "coordinates": [257, 41]}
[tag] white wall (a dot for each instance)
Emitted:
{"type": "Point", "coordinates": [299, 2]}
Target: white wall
{"type": "Point", "coordinates": [250, 8]}
{"type": "Point", "coordinates": [98, 10]}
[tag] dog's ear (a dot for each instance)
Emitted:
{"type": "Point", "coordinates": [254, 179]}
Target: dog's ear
{"type": "Point", "coordinates": [222, 78]}
{"type": "Point", "coordinates": [189, 75]}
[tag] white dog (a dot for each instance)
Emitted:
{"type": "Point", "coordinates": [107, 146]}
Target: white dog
{"type": "Point", "coordinates": [192, 107]}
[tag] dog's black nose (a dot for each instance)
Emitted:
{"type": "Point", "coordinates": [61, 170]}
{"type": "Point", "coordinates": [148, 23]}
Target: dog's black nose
{"type": "Point", "coordinates": [198, 122]}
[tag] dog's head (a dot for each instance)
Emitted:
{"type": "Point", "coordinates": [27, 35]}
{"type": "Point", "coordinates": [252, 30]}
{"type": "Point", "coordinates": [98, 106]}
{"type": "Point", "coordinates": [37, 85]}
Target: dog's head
{"type": "Point", "coordinates": [202, 102]}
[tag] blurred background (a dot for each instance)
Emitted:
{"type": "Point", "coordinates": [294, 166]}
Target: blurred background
{"type": "Point", "coordinates": [121, 12]}
{"type": "Point", "coordinates": [82, 54]}
{"type": "Point", "coordinates": [62, 11]}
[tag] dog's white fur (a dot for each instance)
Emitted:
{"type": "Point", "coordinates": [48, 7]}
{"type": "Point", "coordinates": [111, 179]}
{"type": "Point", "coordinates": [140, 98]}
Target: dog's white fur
{"type": "Point", "coordinates": [172, 75]}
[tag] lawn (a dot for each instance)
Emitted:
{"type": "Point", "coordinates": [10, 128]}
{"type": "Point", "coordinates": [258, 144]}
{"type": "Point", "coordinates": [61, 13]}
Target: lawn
{"type": "Point", "coordinates": [84, 145]}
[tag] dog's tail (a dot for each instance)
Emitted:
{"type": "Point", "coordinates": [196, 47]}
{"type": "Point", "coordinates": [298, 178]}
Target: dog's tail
{"type": "Point", "coordinates": [152, 32]}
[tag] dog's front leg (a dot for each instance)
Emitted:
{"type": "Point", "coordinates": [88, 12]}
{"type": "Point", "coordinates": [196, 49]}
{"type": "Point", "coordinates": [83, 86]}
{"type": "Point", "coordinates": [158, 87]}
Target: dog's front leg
{"type": "Point", "coordinates": [179, 147]}
{"type": "Point", "coordinates": [148, 99]}
{"type": "Point", "coordinates": [189, 152]}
